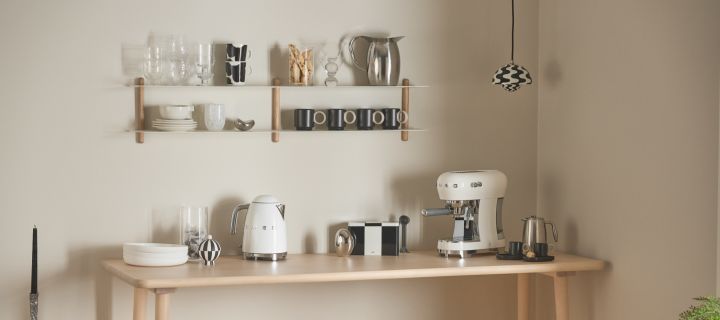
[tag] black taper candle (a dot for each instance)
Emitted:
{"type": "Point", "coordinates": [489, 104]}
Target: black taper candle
{"type": "Point", "coordinates": [33, 278]}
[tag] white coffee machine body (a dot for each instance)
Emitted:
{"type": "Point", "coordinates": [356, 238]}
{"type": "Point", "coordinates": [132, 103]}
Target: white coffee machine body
{"type": "Point", "coordinates": [474, 199]}
{"type": "Point", "coordinates": [264, 233]}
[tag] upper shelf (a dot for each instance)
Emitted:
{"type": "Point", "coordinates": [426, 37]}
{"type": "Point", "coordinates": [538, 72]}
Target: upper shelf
{"type": "Point", "coordinates": [270, 86]}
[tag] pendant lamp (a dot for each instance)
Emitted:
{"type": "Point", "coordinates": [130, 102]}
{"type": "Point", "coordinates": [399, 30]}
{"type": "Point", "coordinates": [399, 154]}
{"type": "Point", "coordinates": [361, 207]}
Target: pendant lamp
{"type": "Point", "coordinates": [512, 76]}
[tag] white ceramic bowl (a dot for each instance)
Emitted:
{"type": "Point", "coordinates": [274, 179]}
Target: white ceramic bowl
{"type": "Point", "coordinates": [155, 248]}
{"type": "Point", "coordinates": [176, 112]}
{"type": "Point", "coordinates": [153, 261]}
{"type": "Point", "coordinates": [170, 255]}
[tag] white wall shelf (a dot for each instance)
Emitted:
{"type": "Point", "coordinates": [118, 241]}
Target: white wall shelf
{"type": "Point", "coordinates": [139, 86]}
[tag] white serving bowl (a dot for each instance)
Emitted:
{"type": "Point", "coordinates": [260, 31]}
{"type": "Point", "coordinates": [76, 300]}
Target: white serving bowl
{"type": "Point", "coordinates": [155, 248]}
{"type": "Point", "coordinates": [169, 255]}
{"type": "Point", "coordinates": [153, 261]}
{"type": "Point", "coordinates": [176, 112]}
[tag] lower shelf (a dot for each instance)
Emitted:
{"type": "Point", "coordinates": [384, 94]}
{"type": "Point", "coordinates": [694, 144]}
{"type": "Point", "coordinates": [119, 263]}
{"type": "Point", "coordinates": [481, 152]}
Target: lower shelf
{"type": "Point", "coordinates": [266, 131]}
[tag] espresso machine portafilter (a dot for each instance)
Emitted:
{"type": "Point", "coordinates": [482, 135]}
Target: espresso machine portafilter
{"type": "Point", "coordinates": [474, 200]}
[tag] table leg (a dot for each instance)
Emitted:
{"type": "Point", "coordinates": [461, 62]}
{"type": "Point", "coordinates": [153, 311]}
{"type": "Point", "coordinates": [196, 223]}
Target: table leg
{"type": "Point", "coordinates": [523, 296]}
{"type": "Point", "coordinates": [560, 283]}
{"type": "Point", "coordinates": [139, 303]}
{"type": "Point", "coordinates": [162, 301]}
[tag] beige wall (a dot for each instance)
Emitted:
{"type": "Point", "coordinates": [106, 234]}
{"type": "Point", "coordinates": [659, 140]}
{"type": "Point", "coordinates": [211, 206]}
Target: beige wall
{"type": "Point", "coordinates": [628, 150]}
{"type": "Point", "coordinates": [68, 166]}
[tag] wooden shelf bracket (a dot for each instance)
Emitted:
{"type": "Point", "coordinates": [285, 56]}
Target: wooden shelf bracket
{"type": "Point", "coordinates": [276, 110]}
{"type": "Point", "coordinates": [406, 108]}
{"type": "Point", "coordinates": [139, 110]}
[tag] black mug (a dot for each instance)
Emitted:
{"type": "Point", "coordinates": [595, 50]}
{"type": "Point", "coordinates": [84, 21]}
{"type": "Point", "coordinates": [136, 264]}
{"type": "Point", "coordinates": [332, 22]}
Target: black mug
{"type": "Point", "coordinates": [338, 118]}
{"type": "Point", "coordinates": [367, 118]}
{"type": "Point", "coordinates": [515, 248]}
{"type": "Point", "coordinates": [393, 118]}
{"type": "Point", "coordinates": [540, 249]}
{"type": "Point", "coordinates": [306, 119]}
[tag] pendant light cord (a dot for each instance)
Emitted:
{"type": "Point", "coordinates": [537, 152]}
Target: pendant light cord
{"type": "Point", "coordinates": [512, 45]}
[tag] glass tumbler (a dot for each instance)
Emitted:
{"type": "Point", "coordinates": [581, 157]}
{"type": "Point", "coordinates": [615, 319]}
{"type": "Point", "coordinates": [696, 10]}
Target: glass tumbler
{"type": "Point", "coordinates": [193, 229]}
{"type": "Point", "coordinates": [205, 61]}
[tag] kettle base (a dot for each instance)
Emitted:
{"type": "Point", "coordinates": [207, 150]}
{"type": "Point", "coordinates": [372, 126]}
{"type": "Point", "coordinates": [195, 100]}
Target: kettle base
{"type": "Point", "coordinates": [265, 256]}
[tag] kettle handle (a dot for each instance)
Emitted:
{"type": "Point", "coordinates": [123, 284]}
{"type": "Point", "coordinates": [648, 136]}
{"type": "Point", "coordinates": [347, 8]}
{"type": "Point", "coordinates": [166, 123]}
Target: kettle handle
{"type": "Point", "coordinates": [554, 230]}
{"type": "Point", "coordinates": [281, 208]}
{"type": "Point", "coordinates": [352, 52]}
{"type": "Point", "coordinates": [233, 218]}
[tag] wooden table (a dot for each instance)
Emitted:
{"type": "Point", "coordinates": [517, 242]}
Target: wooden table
{"type": "Point", "coordinates": [305, 268]}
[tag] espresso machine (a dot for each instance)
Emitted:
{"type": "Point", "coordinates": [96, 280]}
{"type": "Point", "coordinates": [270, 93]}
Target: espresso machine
{"type": "Point", "coordinates": [474, 200]}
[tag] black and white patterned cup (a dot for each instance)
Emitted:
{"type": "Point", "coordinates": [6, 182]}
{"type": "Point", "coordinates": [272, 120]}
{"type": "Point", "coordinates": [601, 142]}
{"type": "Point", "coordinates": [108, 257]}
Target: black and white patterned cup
{"type": "Point", "coordinates": [237, 72]}
{"type": "Point", "coordinates": [237, 52]}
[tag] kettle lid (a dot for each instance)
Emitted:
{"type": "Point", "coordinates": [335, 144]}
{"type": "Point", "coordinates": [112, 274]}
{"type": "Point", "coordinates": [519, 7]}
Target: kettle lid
{"type": "Point", "coordinates": [265, 198]}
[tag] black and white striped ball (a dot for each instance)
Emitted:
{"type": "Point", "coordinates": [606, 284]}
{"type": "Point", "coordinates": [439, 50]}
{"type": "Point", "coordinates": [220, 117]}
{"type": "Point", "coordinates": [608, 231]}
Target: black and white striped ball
{"type": "Point", "coordinates": [512, 76]}
{"type": "Point", "coordinates": [209, 250]}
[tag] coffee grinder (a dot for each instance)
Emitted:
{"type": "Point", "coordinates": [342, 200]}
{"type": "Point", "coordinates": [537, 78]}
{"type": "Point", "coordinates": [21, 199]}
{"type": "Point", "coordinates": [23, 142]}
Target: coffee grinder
{"type": "Point", "coordinates": [474, 199]}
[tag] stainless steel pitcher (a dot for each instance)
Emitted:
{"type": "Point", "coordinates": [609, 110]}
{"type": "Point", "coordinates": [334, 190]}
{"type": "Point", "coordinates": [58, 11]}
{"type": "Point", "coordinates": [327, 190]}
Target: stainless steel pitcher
{"type": "Point", "coordinates": [534, 231]}
{"type": "Point", "coordinates": [383, 60]}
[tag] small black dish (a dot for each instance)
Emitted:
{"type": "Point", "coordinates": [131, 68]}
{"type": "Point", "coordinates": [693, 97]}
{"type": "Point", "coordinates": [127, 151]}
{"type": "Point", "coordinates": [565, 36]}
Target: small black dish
{"type": "Point", "coordinates": [539, 259]}
{"type": "Point", "coordinates": [507, 256]}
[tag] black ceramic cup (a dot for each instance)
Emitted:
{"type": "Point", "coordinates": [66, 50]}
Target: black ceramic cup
{"type": "Point", "coordinates": [367, 118]}
{"type": "Point", "coordinates": [394, 117]}
{"type": "Point", "coordinates": [338, 118]}
{"type": "Point", "coordinates": [306, 119]}
{"type": "Point", "coordinates": [540, 249]}
{"type": "Point", "coordinates": [515, 248]}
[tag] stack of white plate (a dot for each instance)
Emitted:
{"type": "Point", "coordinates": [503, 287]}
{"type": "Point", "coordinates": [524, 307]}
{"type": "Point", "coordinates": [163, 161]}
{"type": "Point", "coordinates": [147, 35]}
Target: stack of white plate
{"type": "Point", "coordinates": [154, 254]}
{"type": "Point", "coordinates": [174, 125]}
{"type": "Point", "coordinates": [175, 118]}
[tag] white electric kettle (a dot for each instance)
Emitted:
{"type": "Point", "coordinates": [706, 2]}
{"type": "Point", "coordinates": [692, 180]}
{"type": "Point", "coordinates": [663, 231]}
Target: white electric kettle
{"type": "Point", "coordinates": [264, 235]}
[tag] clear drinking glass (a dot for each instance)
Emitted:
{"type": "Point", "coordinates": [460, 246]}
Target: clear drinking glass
{"type": "Point", "coordinates": [156, 58]}
{"type": "Point", "coordinates": [205, 61]}
{"type": "Point", "coordinates": [179, 58]}
{"type": "Point", "coordinates": [193, 229]}
{"type": "Point", "coordinates": [133, 60]}
{"type": "Point", "coordinates": [154, 71]}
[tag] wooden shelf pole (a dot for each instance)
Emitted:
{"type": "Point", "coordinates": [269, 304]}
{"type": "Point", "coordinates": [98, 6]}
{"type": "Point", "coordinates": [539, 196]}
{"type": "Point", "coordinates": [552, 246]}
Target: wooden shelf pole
{"type": "Point", "coordinates": [276, 110]}
{"type": "Point", "coordinates": [139, 109]}
{"type": "Point", "coordinates": [406, 108]}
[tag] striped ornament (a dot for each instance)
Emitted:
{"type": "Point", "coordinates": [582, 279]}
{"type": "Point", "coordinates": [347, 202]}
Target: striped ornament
{"type": "Point", "coordinates": [512, 76]}
{"type": "Point", "coordinates": [209, 250]}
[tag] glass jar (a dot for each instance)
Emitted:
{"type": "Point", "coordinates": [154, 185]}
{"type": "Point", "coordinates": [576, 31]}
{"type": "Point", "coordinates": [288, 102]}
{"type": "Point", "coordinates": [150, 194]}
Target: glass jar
{"type": "Point", "coordinates": [302, 65]}
{"type": "Point", "coordinates": [193, 229]}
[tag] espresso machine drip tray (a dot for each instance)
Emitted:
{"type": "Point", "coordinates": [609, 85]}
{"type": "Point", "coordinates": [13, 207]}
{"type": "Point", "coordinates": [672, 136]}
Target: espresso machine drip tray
{"type": "Point", "coordinates": [462, 249]}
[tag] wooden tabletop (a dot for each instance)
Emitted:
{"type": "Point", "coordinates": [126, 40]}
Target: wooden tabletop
{"type": "Point", "coordinates": [230, 270]}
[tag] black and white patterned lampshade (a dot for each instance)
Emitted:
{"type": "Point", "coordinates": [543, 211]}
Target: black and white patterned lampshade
{"type": "Point", "coordinates": [209, 250]}
{"type": "Point", "coordinates": [512, 76]}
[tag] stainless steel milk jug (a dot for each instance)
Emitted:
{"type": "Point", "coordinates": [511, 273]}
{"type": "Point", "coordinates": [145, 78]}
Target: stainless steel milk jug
{"type": "Point", "coordinates": [383, 60]}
